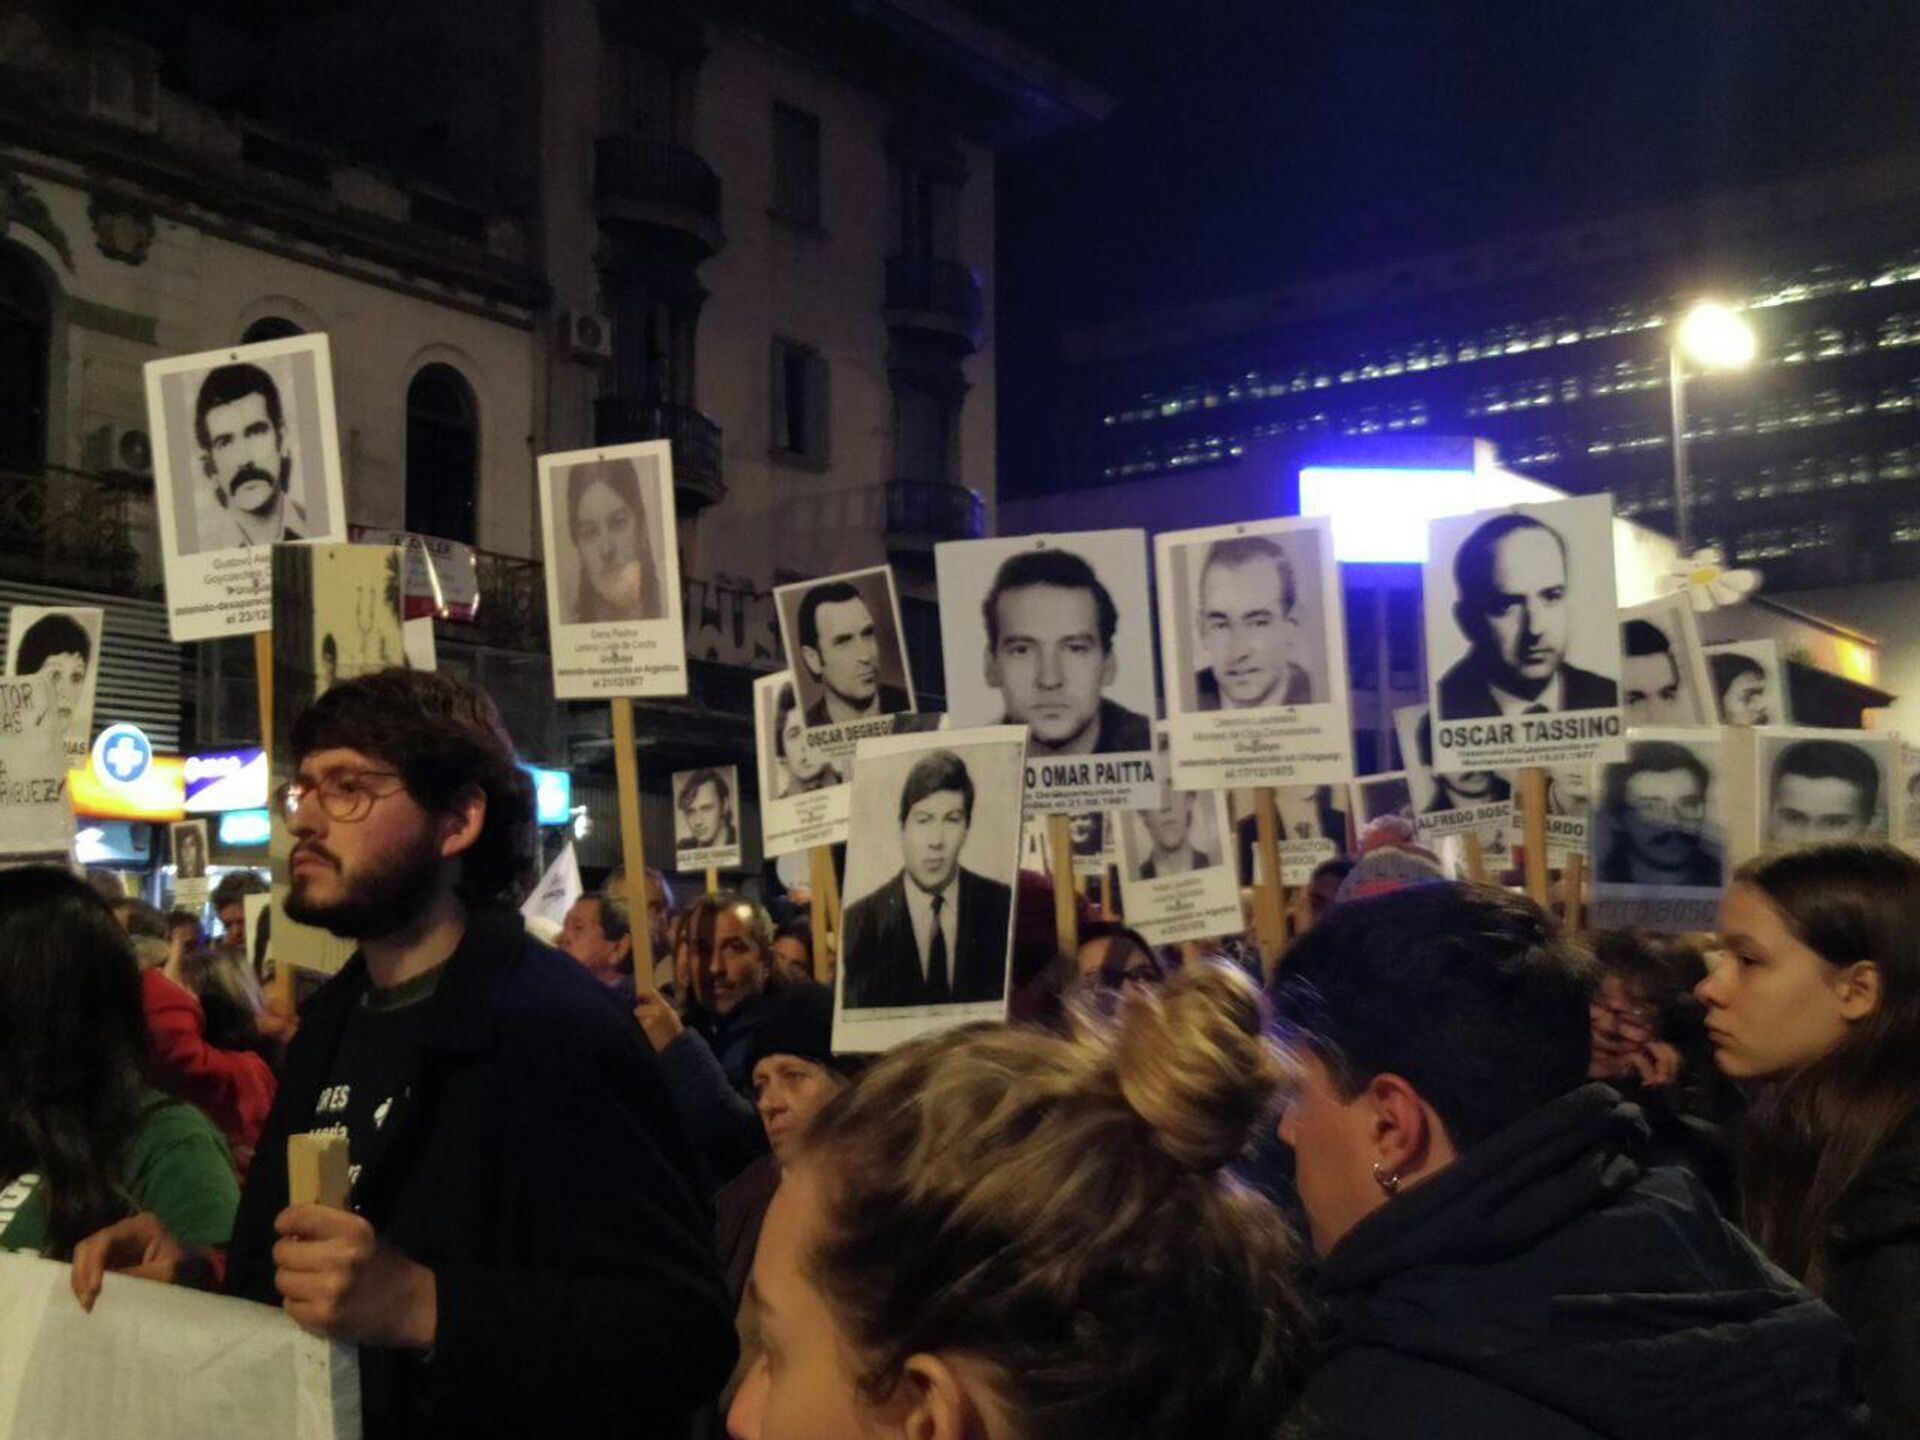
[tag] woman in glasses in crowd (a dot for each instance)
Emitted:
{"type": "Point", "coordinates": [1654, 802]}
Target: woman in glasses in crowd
{"type": "Point", "coordinates": [1816, 999]}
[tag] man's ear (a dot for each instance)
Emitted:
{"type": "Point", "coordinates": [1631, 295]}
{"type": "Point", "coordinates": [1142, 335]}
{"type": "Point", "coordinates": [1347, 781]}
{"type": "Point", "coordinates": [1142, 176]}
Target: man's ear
{"type": "Point", "coordinates": [463, 821]}
{"type": "Point", "coordinates": [811, 658]}
{"type": "Point", "coordinates": [1859, 990]}
{"type": "Point", "coordinates": [1407, 1138]}
{"type": "Point", "coordinates": [1109, 667]}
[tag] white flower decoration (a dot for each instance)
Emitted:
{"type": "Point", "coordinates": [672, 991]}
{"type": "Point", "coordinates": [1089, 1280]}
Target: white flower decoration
{"type": "Point", "coordinates": [1709, 583]}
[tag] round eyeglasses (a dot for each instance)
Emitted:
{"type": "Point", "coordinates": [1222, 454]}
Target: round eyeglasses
{"type": "Point", "coordinates": [345, 795]}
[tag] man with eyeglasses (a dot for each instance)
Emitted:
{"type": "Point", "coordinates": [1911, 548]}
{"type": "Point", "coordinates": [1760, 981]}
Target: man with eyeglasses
{"type": "Point", "coordinates": [1655, 819]}
{"type": "Point", "coordinates": [522, 1248]}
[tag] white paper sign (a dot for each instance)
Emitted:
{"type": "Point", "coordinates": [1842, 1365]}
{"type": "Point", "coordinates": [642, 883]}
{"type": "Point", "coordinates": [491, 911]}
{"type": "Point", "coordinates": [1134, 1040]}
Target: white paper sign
{"type": "Point", "coordinates": [1253, 653]}
{"type": "Point", "coordinates": [1522, 637]}
{"type": "Point", "coordinates": [559, 887]}
{"type": "Point", "coordinates": [245, 456]}
{"type": "Point", "coordinates": [847, 658]}
{"type": "Point", "coordinates": [705, 832]}
{"type": "Point", "coordinates": [187, 843]}
{"type": "Point", "coordinates": [1664, 678]}
{"type": "Point", "coordinates": [162, 1362]}
{"type": "Point", "coordinates": [932, 855]}
{"type": "Point", "coordinates": [1471, 802]}
{"type": "Point", "coordinates": [1813, 787]}
{"type": "Point", "coordinates": [1179, 861]}
{"type": "Point", "coordinates": [1659, 833]}
{"type": "Point", "coordinates": [1747, 684]}
{"type": "Point", "coordinates": [1054, 632]}
{"type": "Point", "coordinates": [63, 644]}
{"type": "Point", "coordinates": [613, 572]}
{"type": "Point", "coordinates": [36, 817]}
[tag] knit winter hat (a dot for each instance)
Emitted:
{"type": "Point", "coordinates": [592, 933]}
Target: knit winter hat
{"type": "Point", "coordinates": [798, 1022]}
{"type": "Point", "coordinates": [1389, 859]}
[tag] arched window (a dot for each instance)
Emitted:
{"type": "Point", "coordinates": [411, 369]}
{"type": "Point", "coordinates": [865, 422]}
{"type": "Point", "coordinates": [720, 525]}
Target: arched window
{"type": "Point", "coordinates": [443, 454]}
{"type": "Point", "coordinates": [26, 333]}
{"type": "Point", "coordinates": [269, 327]}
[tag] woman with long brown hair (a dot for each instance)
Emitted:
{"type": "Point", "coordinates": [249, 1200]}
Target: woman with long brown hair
{"type": "Point", "coordinates": [1817, 1000]}
{"type": "Point", "coordinates": [85, 1138]}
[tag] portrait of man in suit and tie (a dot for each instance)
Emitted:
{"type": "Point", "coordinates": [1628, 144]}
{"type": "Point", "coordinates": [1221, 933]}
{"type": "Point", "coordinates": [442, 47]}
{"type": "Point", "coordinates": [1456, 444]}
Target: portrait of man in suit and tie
{"type": "Point", "coordinates": [936, 932]}
{"type": "Point", "coordinates": [1515, 601]}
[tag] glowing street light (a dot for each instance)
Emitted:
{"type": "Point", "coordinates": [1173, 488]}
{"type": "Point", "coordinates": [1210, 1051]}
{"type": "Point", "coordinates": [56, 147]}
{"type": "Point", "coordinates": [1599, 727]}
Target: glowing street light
{"type": "Point", "coordinates": [1714, 337]}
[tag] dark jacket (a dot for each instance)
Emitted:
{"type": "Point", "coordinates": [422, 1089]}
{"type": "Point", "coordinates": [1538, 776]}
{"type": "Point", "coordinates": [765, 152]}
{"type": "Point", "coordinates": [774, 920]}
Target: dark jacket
{"type": "Point", "coordinates": [1545, 1287]}
{"type": "Point", "coordinates": [713, 1096]}
{"type": "Point", "coordinates": [739, 1210]}
{"type": "Point", "coordinates": [1873, 1279]}
{"type": "Point", "coordinates": [892, 701]}
{"type": "Point", "coordinates": [536, 1168]}
{"type": "Point", "coordinates": [1466, 695]}
{"type": "Point", "coordinates": [1196, 860]}
{"type": "Point", "coordinates": [882, 959]}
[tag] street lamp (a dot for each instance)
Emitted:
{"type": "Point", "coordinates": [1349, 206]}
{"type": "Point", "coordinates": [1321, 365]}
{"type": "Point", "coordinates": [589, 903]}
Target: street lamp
{"type": "Point", "coordinates": [1714, 337]}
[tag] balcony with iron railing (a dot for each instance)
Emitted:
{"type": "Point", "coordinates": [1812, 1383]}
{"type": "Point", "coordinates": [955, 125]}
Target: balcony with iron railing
{"type": "Point", "coordinates": [664, 190]}
{"type": "Point", "coordinates": [80, 528]}
{"type": "Point", "coordinates": [697, 479]}
{"type": "Point", "coordinates": [941, 298]}
{"type": "Point", "coordinates": [923, 513]}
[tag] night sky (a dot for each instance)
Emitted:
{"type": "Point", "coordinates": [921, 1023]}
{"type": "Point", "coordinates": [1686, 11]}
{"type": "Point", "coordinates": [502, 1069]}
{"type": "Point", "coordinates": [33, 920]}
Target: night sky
{"type": "Point", "coordinates": [1253, 142]}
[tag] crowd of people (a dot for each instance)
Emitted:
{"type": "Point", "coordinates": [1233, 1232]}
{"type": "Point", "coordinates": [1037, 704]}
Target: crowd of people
{"type": "Point", "coordinates": [1449, 1169]}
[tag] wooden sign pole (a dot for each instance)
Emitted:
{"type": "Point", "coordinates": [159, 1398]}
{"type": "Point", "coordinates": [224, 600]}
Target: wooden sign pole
{"type": "Point", "coordinates": [713, 881]}
{"type": "Point", "coordinates": [1270, 900]}
{"type": "Point", "coordinates": [820, 876]}
{"type": "Point", "coordinates": [1110, 894]}
{"type": "Point", "coordinates": [1066, 926]}
{"type": "Point", "coordinates": [1533, 828]}
{"type": "Point", "coordinates": [1476, 857]}
{"type": "Point", "coordinates": [633, 853]}
{"type": "Point", "coordinates": [1574, 880]}
{"type": "Point", "coordinates": [263, 684]}
{"type": "Point", "coordinates": [317, 1172]}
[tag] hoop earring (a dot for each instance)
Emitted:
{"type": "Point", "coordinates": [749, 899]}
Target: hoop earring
{"type": "Point", "coordinates": [1389, 1183]}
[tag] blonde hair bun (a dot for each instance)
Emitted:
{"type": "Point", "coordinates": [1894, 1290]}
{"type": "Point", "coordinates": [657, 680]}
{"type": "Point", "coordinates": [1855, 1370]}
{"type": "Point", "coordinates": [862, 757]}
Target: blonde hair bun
{"type": "Point", "coordinates": [1194, 1063]}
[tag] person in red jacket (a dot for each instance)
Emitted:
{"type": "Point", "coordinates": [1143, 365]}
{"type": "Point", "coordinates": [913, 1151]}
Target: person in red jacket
{"type": "Point", "coordinates": [234, 1087]}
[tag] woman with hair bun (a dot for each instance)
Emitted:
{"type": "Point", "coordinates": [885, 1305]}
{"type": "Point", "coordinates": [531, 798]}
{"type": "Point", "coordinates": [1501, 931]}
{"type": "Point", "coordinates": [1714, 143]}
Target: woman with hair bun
{"type": "Point", "coordinates": [1000, 1232]}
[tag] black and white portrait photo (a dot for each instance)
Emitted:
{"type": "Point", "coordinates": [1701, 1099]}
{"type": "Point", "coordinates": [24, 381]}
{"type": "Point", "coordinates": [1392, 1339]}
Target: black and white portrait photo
{"type": "Point", "coordinates": [246, 456]}
{"type": "Point", "coordinates": [62, 646]}
{"type": "Point", "coordinates": [1664, 677]}
{"type": "Point", "coordinates": [1747, 684]}
{"type": "Point", "coordinates": [1312, 823]}
{"type": "Point", "coordinates": [1819, 786]}
{"type": "Point", "coordinates": [842, 635]}
{"type": "Point", "coordinates": [1251, 632]}
{"type": "Point", "coordinates": [189, 849]}
{"type": "Point", "coordinates": [1036, 635]}
{"type": "Point", "coordinates": [803, 793]}
{"type": "Point", "coordinates": [1658, 833]}
{"type": "Point", "coordinates": [1180, 884]}
{"type": "Point", "coordinates": [613, 572]}
{"type": "Point", "coordinates": [932, 853]}
{"type": "Point", "coordinates": [1466, 802]}
{"type": "Point", "coordinates": [1523, 642]}
{"type": "Point", "coordinates": [705, 832]}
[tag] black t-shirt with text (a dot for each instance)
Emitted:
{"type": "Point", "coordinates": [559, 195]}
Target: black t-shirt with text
{"type": "Point", "coordinates": [374, 1066]}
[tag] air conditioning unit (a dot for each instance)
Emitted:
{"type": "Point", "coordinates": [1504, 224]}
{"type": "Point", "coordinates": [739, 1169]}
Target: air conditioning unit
{"type": "Point", "coordinates": [122, 451]}
{"type": "Point", "coordinates": [587, 336]}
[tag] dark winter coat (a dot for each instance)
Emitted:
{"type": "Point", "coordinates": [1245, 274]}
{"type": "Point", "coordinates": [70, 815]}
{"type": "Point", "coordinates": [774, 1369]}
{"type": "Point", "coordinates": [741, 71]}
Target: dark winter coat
{"type": "Point", "coordinates": [537, 1169]}
{"type": "Point", "coordinates": [1545, 1287]}
{"type": "Point", "coordinates": [1873, 1279]}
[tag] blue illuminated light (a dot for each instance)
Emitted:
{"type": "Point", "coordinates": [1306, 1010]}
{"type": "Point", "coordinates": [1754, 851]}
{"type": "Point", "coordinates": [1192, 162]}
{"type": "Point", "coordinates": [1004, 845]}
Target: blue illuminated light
{"type": "Point", "coordinates": [243, 828]}
{"type": "Point", "coordinates": [552, 795]}
{"type": "Point", "coordinates": [1380, 513]}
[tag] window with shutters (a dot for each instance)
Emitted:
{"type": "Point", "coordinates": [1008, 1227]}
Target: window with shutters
{"type": "Point", "coordinates": [26, 332]}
